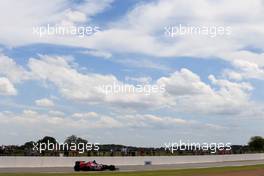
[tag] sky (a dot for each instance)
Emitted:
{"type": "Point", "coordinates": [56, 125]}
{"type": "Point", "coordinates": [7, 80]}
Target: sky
{"type": "Point", "coordinates": [50, 84]}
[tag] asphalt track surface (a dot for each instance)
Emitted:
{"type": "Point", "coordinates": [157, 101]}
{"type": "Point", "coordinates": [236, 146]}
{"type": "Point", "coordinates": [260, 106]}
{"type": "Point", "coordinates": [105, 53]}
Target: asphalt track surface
{"type": "Point", "coordinates": [133, 168]}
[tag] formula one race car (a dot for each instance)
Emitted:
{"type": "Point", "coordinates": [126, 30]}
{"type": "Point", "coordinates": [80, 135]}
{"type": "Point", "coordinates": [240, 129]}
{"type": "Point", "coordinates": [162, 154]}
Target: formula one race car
{"type": "Point", "coordinates": [92, 166]}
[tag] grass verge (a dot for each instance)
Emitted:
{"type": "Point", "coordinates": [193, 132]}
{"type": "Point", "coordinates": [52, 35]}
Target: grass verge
{"type": "Point", "coordinates": [178, 172]}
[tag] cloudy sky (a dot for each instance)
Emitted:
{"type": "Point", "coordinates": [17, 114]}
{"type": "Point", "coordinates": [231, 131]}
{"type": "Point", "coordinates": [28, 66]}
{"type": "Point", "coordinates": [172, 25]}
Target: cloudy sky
{"type": "Point", "coordinates": [214, 85]}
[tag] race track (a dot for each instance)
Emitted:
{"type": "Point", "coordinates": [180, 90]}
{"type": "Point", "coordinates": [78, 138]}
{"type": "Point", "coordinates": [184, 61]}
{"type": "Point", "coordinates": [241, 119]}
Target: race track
{"type": "Point", "coordinates": [132, 168]}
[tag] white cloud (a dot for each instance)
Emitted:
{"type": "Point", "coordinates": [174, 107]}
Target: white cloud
{"type": "Point", "coordinates": [9, 69]}
{"type": "Point", "coordinates": [95, 120]}
{"type": "Point", "coordinates": [150, 121]}
{"type": "Point", "coordinates": [184, 82]}
{"type": "Point", "coordinates": [17, 29]}
{"type": "Point", "coordinates": [185, 91]}
{"type": "Point", "coordinates": [244, 55]}
{"type": "Point", "coordinates": [78, 86]}
{"type": "Point", "coordinates": [56, 113]}
{"type": "Point", "coordinates": [97, 53]}
{"type": "Point", "coordinates": [143, 63]}
{"type": "Point", "coordinates": [6, 87]}
{"type": "Point", "coordinates": [141, 29]}
{"type": "Point", "coordinates": [188, 94]}
{"type": "Point", "coordinates": [45, 102]}
{"type": "Point", "coordinates": [76, 16]}
{"type": "Point", "coordinates": [245, 70]}
{"type": "Point", "coordinates": [140, 80]}
{"type": "Point", "coordinates": [70, 83]}
{"type": "Point", "coordinates": [85, 115]}
{"type": "Point", "coordinates": [31, 125]}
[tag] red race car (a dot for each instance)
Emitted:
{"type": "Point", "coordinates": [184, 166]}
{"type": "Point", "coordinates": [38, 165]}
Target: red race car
{"type": "Point", "coordinates": [92, 166]}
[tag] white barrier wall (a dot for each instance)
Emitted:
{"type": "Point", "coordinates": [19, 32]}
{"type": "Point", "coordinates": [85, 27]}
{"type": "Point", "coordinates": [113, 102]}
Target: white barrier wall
{"type": "Point", "coordinates": [156, 160]}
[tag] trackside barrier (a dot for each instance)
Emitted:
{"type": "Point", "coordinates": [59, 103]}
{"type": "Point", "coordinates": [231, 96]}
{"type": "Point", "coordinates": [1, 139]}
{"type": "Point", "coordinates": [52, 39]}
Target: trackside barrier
{"type": "Point", "coordinates": [23, 161]}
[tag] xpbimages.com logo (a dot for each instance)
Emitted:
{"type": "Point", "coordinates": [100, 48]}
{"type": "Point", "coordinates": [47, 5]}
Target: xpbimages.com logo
{"type": "Point", "coordinates": [79, 147]}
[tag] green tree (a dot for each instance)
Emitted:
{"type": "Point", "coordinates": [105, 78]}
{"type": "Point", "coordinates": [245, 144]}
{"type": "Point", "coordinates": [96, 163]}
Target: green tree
{"type": "Point", "coordinates": [256, 143]}
{"type": "Point", "coordinates": [28, 145]}
{"type": "Point", "coordinates": [71, 139]}
{"type": "Point", "coordinates": [50, 149]}
{"type": "Point", "coordinates": [75, 139]}
{"type": "Point", "coordinates": [47, 139]}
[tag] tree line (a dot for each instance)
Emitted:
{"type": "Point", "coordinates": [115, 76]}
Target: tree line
{"type": "Point", "coordinates": [255, 145]}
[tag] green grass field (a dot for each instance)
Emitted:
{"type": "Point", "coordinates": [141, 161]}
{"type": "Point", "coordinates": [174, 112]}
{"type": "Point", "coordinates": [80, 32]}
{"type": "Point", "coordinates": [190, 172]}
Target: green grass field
{"type": "Point", "coordinates": [180, 172]}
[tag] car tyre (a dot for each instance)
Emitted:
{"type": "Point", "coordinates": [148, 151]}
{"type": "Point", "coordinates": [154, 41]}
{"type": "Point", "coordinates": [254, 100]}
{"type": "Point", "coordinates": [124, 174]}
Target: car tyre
{"type": "Point", "coordinates": [77, 168]}
{"type": "Point", "coordinates": [112, 167]}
